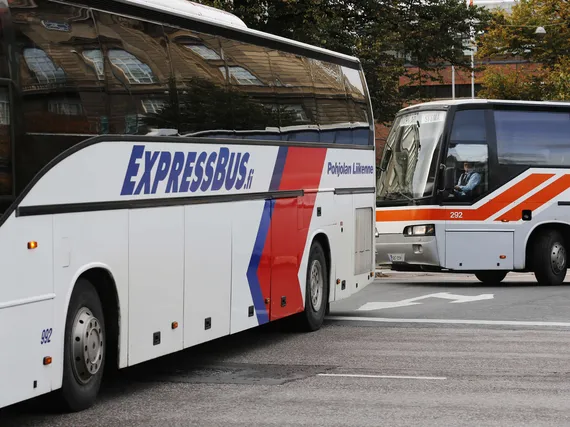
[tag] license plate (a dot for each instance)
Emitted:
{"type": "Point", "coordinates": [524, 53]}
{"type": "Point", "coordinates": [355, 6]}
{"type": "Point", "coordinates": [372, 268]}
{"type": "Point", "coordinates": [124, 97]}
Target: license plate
{"type": "Point", "coordinates": [396, 257]}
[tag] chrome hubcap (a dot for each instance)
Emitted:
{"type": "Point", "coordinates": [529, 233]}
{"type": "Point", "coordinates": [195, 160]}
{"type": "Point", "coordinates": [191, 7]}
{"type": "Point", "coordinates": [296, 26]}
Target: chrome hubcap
{"type": "Point", "coordinates": [87, 345]}
{"type": "Point", "coordinates": [317, 283]}
{"type": "Point", "coordinates": [558, 258]}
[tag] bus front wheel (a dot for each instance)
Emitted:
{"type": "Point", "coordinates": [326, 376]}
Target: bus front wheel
{"type": "Point", "coordinates": [84, 349]}
{"type": "Point", "coordinates": [550, 258]}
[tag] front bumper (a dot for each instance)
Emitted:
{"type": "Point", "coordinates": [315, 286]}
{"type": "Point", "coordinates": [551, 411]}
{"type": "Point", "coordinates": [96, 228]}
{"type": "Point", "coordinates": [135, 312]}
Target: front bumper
{"type": "Point", "coordinates": [399, 250]}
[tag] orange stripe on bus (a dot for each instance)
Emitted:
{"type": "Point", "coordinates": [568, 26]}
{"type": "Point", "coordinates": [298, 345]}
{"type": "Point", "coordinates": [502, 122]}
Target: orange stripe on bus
{"type": "Point", "coordinates": [482, 213]}
{"type": "Point", "coordinates": [538, 199]}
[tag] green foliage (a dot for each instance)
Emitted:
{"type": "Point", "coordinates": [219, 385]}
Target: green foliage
{"type": "Point", "coordinates": [513, 36]}
{"type": "Point", "coordinates": [413, 39]}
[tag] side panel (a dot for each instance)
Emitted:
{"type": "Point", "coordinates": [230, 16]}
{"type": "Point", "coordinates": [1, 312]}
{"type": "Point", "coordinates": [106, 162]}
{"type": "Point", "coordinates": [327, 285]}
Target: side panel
{"type": "Point", "coordinates": [364, 231]}
{"type": "Point", "coordinates": [465, 250]}
{"type": "Point", "coordinates": [156, 282]}
{"type": "Point", "coordinates": [26, 308]}
{"type": "Point", "coordinates": [23, 349]}
{"type": "Point", "coordinates": [207, 273]}
{"type": "Point", "coordinates": [251, 274]}
{"type": "Point", "coordinates": [286, 242]}
{"type": "Point", "coordinates": [344, 248]}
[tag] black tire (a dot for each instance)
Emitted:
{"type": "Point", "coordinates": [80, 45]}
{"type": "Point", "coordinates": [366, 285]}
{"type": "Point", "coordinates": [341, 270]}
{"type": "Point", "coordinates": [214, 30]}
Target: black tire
{"type": "Point", "coordinates": [80, 388]}
{"type": "Point", "coordinates": [549, 258]}
{"type": "Point", "coordinates": [311, 319]}
{"type": "Point", "coordinates": [491, 277]}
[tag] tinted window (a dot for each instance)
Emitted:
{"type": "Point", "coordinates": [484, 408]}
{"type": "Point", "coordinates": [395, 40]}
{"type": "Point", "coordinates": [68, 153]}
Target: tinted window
{"type": "Point", "coordinates": [62, 98]}
{"type": "Point", "coordinates": [533, 137]}
{"type": "Point", "coordinates": [251, 86]}
{"type": "Point", "coordinates": [358, 108]}
{"type": "Point", "coordinates": [60, 93]}
{"type": "Point", "coordinates": [134, 64]}
{"type": "Point", "coordinates": [469, 127]}
{"type": "Point", "coordinates": [332, 102]}
{"type": "Point", "coordinates": [4, 42]}
{"type": "Point", "coordinates": [5, 144]}
{"type": "Point", "coordinates": [295, 95]}
{"type": "Point", "coordinates": [201, 87]}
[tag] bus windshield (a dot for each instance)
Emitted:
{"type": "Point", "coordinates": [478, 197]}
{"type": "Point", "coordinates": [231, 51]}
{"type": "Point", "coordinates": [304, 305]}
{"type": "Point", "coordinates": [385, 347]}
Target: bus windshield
{"type": "Point", "coordinates": [408, 164]}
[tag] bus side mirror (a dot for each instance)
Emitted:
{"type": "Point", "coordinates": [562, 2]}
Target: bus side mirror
{"type": "Point", "coordinates": [449, 179]}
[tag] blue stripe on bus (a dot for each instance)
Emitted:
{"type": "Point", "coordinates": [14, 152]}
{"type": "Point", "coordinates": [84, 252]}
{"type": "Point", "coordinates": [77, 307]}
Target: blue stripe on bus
{"type": "Point", "coordinates": [253, 280]}
{"type": "Point", "coordinates": [278, 170]}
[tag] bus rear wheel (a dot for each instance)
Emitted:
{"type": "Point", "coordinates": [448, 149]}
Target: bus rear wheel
{"type": "Point", "coordinates": [549, 258]}
{"type": "Point", "coordinates": [316, 290]}
{"type": "Point", "coordinates": [491, 277]}
{"type": "Point", "coordinates": [84, 349]}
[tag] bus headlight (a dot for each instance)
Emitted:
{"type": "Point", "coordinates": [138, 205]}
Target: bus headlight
{"type": "Point", "coordinates": [376, 234]}
{"type": "Point", "coordinates": [420, 230]}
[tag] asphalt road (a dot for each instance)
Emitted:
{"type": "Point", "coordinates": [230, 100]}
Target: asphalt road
{"type": "Point", "coordinates": [390, 366]}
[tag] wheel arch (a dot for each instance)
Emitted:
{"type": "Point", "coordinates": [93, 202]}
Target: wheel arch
{"type": "Point", "coordinates": [562, 227]}
{"type": "Point", "coordinates": [100, 276]}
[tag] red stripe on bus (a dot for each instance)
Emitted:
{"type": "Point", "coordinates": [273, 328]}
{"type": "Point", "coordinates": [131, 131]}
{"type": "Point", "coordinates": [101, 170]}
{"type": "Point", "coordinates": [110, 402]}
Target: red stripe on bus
{"type": "Point", "coordinates": [538, 199]}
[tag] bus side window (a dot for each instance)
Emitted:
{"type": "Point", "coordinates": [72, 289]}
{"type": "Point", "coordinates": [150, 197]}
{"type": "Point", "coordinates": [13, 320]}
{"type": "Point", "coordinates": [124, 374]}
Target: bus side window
{"type": "Point", "coordinates": [62, 99]}
{"type": "Point", "coordinates": [332, 102]}
{"type": "Point", "coordinates": [252, 89]}
{"type": "Point", "coordinates": [295, 92]}
{"type": "Point", "coordinates": [468, 154]}
{"type": "Point", "coordinates": [135, 65]}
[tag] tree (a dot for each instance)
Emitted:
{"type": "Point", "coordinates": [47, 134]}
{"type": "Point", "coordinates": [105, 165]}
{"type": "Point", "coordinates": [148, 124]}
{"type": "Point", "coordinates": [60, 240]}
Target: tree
{"type": "Point", "coordinates": [512, 35]}
{"type": "Point", "coordinates": [413, 39]}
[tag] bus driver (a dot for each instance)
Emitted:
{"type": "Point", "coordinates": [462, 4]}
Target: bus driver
{"type": "Point", "coordinates": [468, 181]}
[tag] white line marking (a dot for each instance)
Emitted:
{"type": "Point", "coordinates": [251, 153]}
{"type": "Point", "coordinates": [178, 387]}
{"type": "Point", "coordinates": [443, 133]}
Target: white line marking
{"type": "Point", "coordinates": [449, 321]}
{"type": "Point", "coordinates": [398, 377]}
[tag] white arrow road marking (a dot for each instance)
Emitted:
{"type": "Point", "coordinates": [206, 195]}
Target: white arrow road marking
{"type": "Point", "coordinates": [456, 299]}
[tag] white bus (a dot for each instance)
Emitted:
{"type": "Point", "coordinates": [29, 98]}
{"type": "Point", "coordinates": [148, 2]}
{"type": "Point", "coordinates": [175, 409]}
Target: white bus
{"type": "Point", "coordinates": [168, 177]}
{"type": "Point", "coordinates": [477, 186]}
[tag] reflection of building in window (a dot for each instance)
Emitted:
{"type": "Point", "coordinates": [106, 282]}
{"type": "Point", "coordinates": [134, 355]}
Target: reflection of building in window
{"type": "Point", "coordinates": [4, 109]}
{"type": "Point", "coordinates": [152, 106]}
{"type": "Point", "coordinates": [332, 70]}
{"type": "Point", "coordinates": [43, 67]}
{"type": "Point", "coordinates": [95, 57]}
{"type": "Point", "coordinates": [56, 26]}
{"type": "Point", "coordinates": [135, 70]}
{"type": "Point", "coordinates": [242, 76]}
{"type": "Point", "coordinates": [23, 4]}
{"type": "Point", "coordinates": [65, 107]}
{"type": "Point", "coordinates": [204, 51]}
{"type": "Point", "coordinates": [297, 112]}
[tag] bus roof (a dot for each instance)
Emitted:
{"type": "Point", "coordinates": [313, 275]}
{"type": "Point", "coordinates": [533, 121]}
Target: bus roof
{"type": "Point", "coordinates": [210, 15]}
{"type": "Point", "coordinates": [477, 101]}
{"type": "Point", "coordinates": [190, 9]}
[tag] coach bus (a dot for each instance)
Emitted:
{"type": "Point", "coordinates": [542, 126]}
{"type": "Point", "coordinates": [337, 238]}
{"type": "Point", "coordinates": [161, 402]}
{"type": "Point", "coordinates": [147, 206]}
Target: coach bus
{"type": "Point", "coordinates": [477, 186]}
{"type": "Point", "coordinates": [168, 176]}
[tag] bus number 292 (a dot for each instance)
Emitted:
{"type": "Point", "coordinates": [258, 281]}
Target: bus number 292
{"type": "Point", "coordinates": [456, 215]}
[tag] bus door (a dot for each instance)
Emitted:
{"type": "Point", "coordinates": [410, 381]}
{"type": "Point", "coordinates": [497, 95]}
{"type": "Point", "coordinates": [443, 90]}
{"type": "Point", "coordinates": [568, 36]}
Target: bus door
{"type": "Point", "coordinates": [473, 239]}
